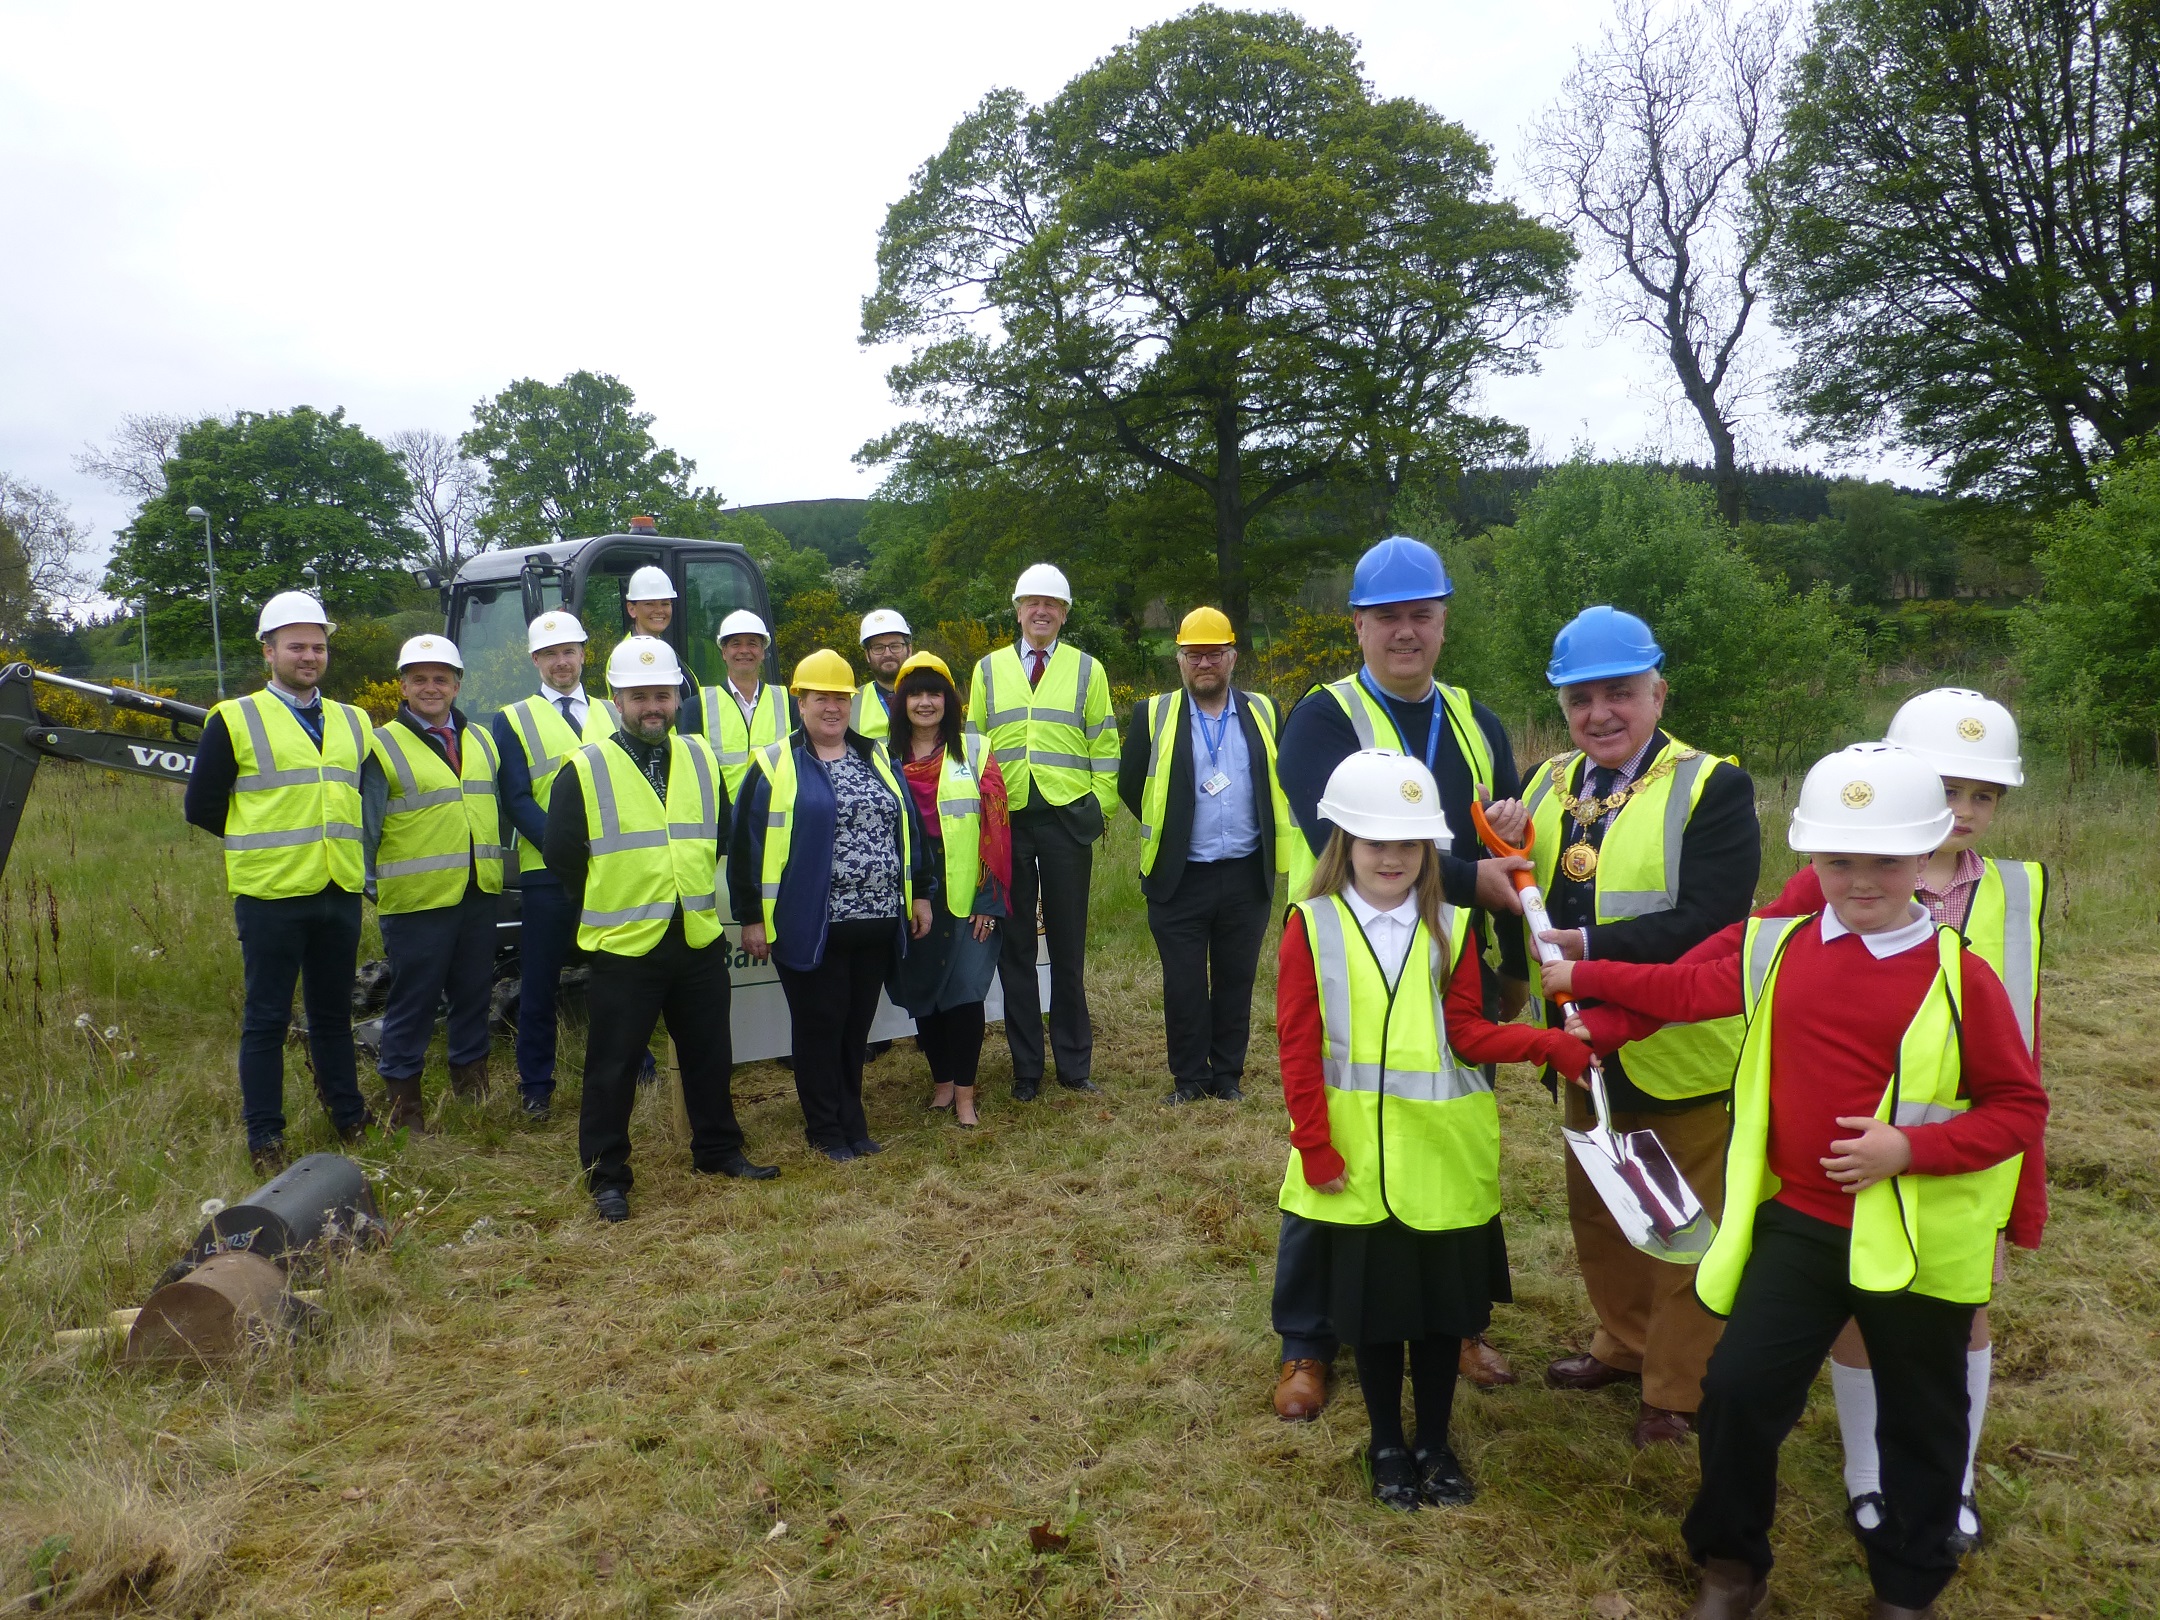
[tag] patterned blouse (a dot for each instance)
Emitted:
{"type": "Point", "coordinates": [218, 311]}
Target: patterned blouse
{"type": "Point", "coordinates": [866, 843]}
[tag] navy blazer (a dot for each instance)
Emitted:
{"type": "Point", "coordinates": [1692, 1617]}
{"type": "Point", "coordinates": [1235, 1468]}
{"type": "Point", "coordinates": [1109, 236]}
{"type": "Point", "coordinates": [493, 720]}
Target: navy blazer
{"type": "Point", "coordinates": [1176, 845]}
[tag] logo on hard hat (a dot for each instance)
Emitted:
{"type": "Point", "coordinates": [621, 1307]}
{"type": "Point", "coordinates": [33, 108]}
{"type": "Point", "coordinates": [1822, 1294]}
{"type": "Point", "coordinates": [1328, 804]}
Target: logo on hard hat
{"type": "Point", "coordinates": [645, 657]}
{"type": "Point", "coordinates": [1858, 795]}
{"type": "Point", "coordinates": [1972, 728]}
{"type": "Point", "coordinates": [1411, 792]}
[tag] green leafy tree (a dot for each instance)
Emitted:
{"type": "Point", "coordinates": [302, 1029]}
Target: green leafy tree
{"type": "Point", "coordinates": [1217, 259]}
{"type": "Point", "coordinates": [577, 458]}
{"type": "Point", "coordinates": [285, 490]}
{"type": "Point", "coordinates": [1971, 248]}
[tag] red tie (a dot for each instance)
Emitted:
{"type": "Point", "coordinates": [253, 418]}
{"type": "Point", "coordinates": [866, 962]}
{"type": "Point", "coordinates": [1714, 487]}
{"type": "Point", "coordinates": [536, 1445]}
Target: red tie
{"type": "Point", "coordinates": [1040, 657]}
{"type": "Point", "coordinates": [447, 736]}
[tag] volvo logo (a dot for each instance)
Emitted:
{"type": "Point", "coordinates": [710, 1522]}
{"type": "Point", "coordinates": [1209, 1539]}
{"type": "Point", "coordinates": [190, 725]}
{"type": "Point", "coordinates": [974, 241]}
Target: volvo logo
{"type": "Point", "coordinates": [163, 759]}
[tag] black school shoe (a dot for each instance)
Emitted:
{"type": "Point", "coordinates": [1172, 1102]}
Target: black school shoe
{"type": "Point", "coordinates": [1441, 1480]}
{"type": "Point", "coordinates": [1960, 1542]}
{"type": "Point", "coordinates": [1395, 1479]}
{"type": "Point", "coordinates": [612, 1204]}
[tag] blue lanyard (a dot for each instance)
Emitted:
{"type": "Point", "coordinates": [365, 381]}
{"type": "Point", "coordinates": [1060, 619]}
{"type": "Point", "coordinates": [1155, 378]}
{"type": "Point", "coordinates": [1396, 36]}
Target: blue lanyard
{"type": "Point", "coordinates": [1432, 737]}
{"type": "Point", "coordinates": [1213, 735]}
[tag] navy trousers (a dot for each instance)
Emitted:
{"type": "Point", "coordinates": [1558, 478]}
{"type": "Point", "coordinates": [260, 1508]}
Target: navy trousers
{"type": "Point", "coordinates": [1303, 1286]}
{"type": "Point", "coordinates": [312, 942]}
{"type": "Point", "coordinates": [546, 935]}
{"type": "Point", "coordinates": [448, 948]}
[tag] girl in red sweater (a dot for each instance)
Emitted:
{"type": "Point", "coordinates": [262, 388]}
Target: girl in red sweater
{"type": "Point", "coordinates": [1882, 1097]}
{"type": "Point", "coordinates": [1395, 1140]}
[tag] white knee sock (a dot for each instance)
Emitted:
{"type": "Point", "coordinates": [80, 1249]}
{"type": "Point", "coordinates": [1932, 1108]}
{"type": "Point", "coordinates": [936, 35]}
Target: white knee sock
{"type": "Point", "coordinates": [1854, 1388]}
{"type": "Point", "coordinates": [1979, 1371]}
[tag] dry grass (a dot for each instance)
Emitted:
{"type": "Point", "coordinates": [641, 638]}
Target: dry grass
{"type": "Point", "coordinates": [1060, 1319]}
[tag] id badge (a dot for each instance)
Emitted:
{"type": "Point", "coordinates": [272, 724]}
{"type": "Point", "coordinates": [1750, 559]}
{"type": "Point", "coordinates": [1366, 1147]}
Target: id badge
{"type": "Point", "coordinates": [1215, 784]}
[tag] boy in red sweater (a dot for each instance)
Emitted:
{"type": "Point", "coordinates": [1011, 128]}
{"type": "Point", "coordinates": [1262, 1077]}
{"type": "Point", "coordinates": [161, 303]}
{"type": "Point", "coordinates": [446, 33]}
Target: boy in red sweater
{"type": "Point", "coordinates": [1883, 1098]}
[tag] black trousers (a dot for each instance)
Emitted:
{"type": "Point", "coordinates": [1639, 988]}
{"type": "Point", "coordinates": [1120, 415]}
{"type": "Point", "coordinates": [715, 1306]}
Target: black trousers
{"type": "Point", "coordinates": [627, 997]}
{"type": "Point", "coordinates": [830, 1010]}
{"type": "Point", "coordinates": [1051, 863]}
{"type": "Point", "coordinates": [1208, 934]}
{"type": "Point", "coordinates": [951, 1039]}
{"type": "Point", "coordinates": [1304, 1287]}
{"type": "Point", "coordinates": [547, 934]}
{"type": "Point", "coordinates": [313, 941]}
{"type": "Point", "coordinates": [1793, 1299]}
{"type": "Point", "coordinates": [447, 948]}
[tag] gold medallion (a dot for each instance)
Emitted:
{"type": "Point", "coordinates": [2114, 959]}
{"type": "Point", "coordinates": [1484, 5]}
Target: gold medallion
{"type": "Point", "coordinates": [1579, 862]}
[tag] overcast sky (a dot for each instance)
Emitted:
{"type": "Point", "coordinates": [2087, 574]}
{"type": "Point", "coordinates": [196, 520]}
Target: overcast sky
{"type": "Point", "coordinates": [399, 208]}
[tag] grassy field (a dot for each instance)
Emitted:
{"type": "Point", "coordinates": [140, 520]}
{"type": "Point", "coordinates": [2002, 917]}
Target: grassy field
{"type": "Point", "coordinates": [855, 1390]}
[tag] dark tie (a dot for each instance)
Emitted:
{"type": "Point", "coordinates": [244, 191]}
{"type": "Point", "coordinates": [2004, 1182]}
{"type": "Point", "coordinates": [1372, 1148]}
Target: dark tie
{"type": "Point", "coordinates": [447, 736]}
{"type": "Point", "coordinates": [564, 705]}
{"type": "Point", "coordinates": [1035, 675]}
{"type": "Point", "coordinates": [1601, 783]}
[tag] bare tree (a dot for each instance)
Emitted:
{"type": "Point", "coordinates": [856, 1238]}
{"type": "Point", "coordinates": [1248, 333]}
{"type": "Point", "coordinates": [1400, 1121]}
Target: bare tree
{"type": "Point", "coordinates": [449, 492]}
{"type": "Point", "coordinates": [1655, 156]}
{"type": "Point", "coordinates": [41, 546]}
{"type": "Point", "coordinates": [133, 461]}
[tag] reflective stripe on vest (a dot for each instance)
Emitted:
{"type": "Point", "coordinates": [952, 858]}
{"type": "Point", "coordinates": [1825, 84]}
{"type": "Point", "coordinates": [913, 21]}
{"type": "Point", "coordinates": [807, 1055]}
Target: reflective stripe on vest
{"type": "Point", "coordinates": [2005, 929]}
{"type": "Point", "coordinates": [1044, 731]}
{"type": "Point", "coordinates": [732, 738]}
{"type": "Point", "coordinates": [1418, 1132]}
{"type": "Point", "coordinates": [1930, 1235]}
{"type": "Point", "coordinates": [649, 858]}
{"type": "Point", "coordinates": [1638, 875]}
{"type": "Point", "coordinates": [546, 740]}
{"type": "Point", "coordinates": [437, 828]}
{"type": "Point", "coordinates": [777, 764]}
{"type": "Point", "coordinates": [293, 825]}
{"type": "Point", "coordinates": [1165, 711]}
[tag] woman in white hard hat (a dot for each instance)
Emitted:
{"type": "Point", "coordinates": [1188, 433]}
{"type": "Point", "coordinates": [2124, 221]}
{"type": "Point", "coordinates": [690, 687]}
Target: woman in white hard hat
{"type": "Point", "coordinates": [1395, 1161]}
{"type": "Point", "coordinates": [1999, 906]}
{"type": "Point", "coordinates": [649, 600]}
{"type": "Point", "coordinates": [1846, 1198]}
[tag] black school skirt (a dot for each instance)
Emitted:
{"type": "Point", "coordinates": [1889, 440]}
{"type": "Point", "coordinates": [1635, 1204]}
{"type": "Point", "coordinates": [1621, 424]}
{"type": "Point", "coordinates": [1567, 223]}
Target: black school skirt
{"type": "Point", "coordinates": [1390, 1284]}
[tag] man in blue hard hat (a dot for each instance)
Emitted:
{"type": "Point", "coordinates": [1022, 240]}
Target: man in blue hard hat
{"type": "Point", "coordinates": [1644, 848]}
{"type": "Point", "coordinates": [1398, 603]}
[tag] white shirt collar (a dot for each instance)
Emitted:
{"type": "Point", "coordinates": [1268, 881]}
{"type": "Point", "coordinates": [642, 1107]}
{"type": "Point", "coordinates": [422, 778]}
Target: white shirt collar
{"type": "Point", "coordinates": [294, 698]}
{"type": "Point", "coordinates": [1048, 652]}
{"type": "Point", "coordinates": [1404, 915]}
{"type": "Point", "coordinates": [1918, 930]}
{"type": "Point", "coordinates": [553, 696]}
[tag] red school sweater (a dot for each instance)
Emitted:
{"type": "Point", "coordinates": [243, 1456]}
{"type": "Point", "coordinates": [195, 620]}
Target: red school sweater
{"type": "Point", "coordinates": [1841, 1015]}
{"type": "Point", "coordinates": [1475, 1038]}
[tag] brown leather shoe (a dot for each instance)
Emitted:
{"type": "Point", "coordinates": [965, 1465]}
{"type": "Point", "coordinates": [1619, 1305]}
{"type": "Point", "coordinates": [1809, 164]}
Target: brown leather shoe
{"type": "Point", "coordinates": [1730, 1591]}
{"type": "Point", "coordinates": [469, 1080]}
{"type": "Point", "coordinates": [1483, 1365]}
{"type": "Point", "coordinates": [1880, 1610]}
{"type": "Point", "coordinates": [1586, 1372]}
{"type": "Point", "coordinates": [403, 1108]}
{"type": "Point", "coordinates": [1301, 1391]}
{"type": "Point", "coordinates": [1654, 1426]}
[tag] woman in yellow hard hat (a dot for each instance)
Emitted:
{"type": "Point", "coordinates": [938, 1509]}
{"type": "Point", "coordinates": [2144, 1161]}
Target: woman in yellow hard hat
{"type": "Point", "coordinates": [959, 795]}
{"type": "Point", "coordinates": [829, 876]}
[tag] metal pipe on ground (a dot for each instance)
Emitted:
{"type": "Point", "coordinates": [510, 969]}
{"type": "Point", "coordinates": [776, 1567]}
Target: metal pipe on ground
{"type": "Point", "coordinates": [322, 1199]}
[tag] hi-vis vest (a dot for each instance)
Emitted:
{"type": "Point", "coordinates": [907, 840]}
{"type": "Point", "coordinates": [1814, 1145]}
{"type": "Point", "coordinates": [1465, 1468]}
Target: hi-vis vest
{"type": "Point", "coordinates": [732, 738]}
{"type": "Point", "coordinates": [1932, 1235]}
{"type": "Point", "coordinates": [547, 740]}
{"type": "Point", "coordinates": [777, 762]}
{"type": "Point", "coordinates": [959, 804]}
{"type": "Point", "coordinates": [1375, 728]}
{"type": "Point", "coordinates": [439, 827]}
{"type": "Point", "coordinates": [1638, 874]}
{"type": "Point", "coordinates": [867, 716]}
{"type": "Point", "coordinates": [1165, 713]}
{"type": "Point", "coordinates": [1044, 736]}
{"type": "Point", "coordinates": [1418, 1132]}
{"type": "Point", "coordinates": [648, 858]}
{"type": "Point", "coordinates": [293, 827]}
{"type": "Point", "coordinates": [2004, 930]}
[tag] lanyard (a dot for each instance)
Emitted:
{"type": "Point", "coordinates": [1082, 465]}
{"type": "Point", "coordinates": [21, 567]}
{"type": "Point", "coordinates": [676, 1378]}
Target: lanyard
{"type": "Point", "coordinates": [1212, 735]}
{"type": "Point", "coordinates": [1432, 737]}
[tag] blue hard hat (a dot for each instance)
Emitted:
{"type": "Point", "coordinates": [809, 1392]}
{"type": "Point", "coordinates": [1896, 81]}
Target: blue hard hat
{"type": "Point", "coordinates": [1399, 569]}
{"type": "Point", "coordinates": [1602, 644]}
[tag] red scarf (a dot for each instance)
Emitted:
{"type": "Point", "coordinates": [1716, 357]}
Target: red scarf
{"type": "Point", "coordinates": [995, 845]}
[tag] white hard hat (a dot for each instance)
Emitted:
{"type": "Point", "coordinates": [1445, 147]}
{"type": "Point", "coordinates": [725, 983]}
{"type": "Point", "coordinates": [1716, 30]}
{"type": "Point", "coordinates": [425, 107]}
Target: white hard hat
{"type": "Point", "coordinates": [1379, 794]}
{"type": "Point", "coordinates": [742, 622]}
{"type": "Point", "coordinates": [290, 607]}
{"type": "Point", "coordinates": [553, 629]}
{"type": "Point", "coordinates": [1042, 579]}
{"type": "Point", "coordinates": [1870, 799]}
{"type": "Point", "coordinates": [649, 584]}
{"type": "Point", "coordinates": [642, 661]}
{"type": "Point", "coordinates": [1960, 733]}
{"type": "Point", "coordinates": [884, 622]}
{"type": "Point", "coordinates": [431, 650]}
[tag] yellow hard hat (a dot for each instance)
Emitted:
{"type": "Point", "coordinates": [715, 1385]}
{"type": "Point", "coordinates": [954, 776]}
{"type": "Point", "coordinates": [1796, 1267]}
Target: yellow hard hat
{"type": "Point", "coordinates": [923, 660]}
{"type": "Point", "coordinates": [1206, 627]}
{"type": "Point", "coordinates": [823, 671]}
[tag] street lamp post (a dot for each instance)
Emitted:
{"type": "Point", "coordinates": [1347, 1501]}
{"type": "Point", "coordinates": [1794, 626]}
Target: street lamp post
{"type": "Point", "coordinates": [143, 613]}
{"type": "Point", "coordinates": [217, 642]}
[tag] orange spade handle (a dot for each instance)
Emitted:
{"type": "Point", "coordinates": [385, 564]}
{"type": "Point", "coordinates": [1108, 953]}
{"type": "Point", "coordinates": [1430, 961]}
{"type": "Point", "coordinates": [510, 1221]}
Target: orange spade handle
{"type": "Point", "coordinates": [1501, 847]}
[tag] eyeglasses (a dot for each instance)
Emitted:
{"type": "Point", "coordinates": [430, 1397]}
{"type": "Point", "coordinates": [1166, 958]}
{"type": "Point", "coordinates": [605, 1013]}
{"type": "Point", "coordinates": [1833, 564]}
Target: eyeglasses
{"type": "Point", "coordinates": [1205, 655]}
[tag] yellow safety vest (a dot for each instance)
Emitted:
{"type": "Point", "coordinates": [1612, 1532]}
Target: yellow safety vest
{"type": "Point", "coordinates": [1932, 1235]}
{"type": "Point", "coordinates": [1638, 874]}
{"type": "Point", "coordinates": [647, 858]}
{"type": "Point", "coordinates": [293, 827]}
{"type": "Point", "coordinates": [867, 716]}
{"type": "Point", "coordinates": [2004, 928]}
{"type": "Point", "coordinates": [733, 739]}
{"type": "Point", "coordinates": [439, 828]}
{"type": "Point", "coordinates": [1418, 1132]}
{"type": "Point", "coordinates": [1375, 727]}
{"type": "Point", "coordinates": [1060, 736]}
{"type": "Point", "coordinates": [546, 740]}
{"type": "Point", "coordinates": [777, 763]}
{"type": "Point", "coordinates": [959, 802]}
{"type": "Point", "coordinates": [1165, 713]}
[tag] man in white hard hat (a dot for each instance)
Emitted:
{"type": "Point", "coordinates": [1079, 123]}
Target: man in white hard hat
{"type": "Point", "coordinates": [277, 779]}
{"type": "Point", "coordinates": [1044, 706]}
{"type": "Point", "coordinates": [431, 825]}
{"type": "Point", "coordinates": [887, 643]}
{"type": "Point", "coordinates": [649, 600]}
{"type": "Point", "coordinates": [746, 711]}
{"type": "Point", "coordinates": [635, 836]}
{"type": "Point", "coordinates": [534, 736]}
